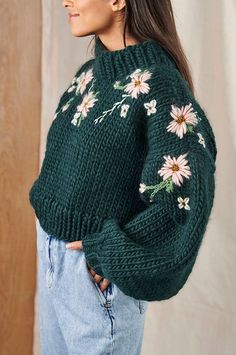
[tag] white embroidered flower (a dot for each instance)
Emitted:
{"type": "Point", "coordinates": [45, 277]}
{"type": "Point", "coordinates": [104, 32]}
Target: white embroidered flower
{"type": "Point", "coordinates": [176, 168]}
{"type": "Point", "coordinates": [88, 102]}
{"type": "Point", "coordinates": [142, 188]}
{"type": "Point", "coordinates": [183, 203]}
{"type": "Point", "coordinates": [138, 83]}
{"type": "Point", "coordinates": [182, 116]}
{"type": "Point", "coordinates": [74, 121]}
{"type": "Point", "coordinates": [201, 140]}
{"type": "Point", "coordinates": [83, 80]}
{"type": "Point", "coordinates": [151, 107]}
{"type": "Point", "coordinates": [116, 84]}
{"type": "Point", "coordinates": [124, 110]}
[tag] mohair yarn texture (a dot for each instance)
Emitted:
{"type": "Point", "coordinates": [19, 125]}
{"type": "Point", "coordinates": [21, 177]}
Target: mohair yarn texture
{"type": "Point", "coordinates": [129, 168]}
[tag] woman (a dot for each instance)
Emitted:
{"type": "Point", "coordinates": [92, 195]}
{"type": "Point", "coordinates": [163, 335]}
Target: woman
{"type": "Point", "coordinates": [127, 184]}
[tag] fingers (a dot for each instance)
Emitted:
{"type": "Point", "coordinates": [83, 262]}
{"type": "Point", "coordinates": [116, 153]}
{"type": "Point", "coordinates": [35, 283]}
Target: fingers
{"type": "Point", "coordinates": [97, 278]}
{"type": "Point", "coordinates": [75, 245]}
{"type": "Point", "coordinates": [93, 273]}
{"type": "Point", "coordinates": [103, 285]}
{"type": "Point", "coordinates": [102, 282]}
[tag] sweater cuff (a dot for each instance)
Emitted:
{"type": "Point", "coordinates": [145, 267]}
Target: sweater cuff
{"type": "Point", "coordinates": [93, 244]}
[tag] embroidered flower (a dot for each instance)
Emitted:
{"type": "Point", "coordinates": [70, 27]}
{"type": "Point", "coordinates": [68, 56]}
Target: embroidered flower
{"type": "Point", "coordinates": [183, 203]}
{"type": "Point", "coordinates": [151, 107]}
{"type": "Point", "coordinates": [65, 107]}
{"type": "Point", "coordinates": [67, 104]}
{"type": "Point", "coordinates": [138, 83]}
{"type": "Point", "coordinates": [175, 168]}
{"type": "Point", "coordinates": [172, 171]}
{"type": "Point", "coordinates": [142, 188]}
{"type": "Point", "coordinates": [73, 86]}
{"type": "Point", "coordinates": [184, 120]}
{"type": "Point", "coordinates": [83, 81]}
{"type": "Point", "coordinates": [201, 140]}
{"type": "Point", "coordinates": [124, 110]}
{"type": "Point", "coordinates": [134, 88]}
{"type": "Point", "coordinates": [84, 108]}
{"type": "Point", "coordinates": [116, 85]}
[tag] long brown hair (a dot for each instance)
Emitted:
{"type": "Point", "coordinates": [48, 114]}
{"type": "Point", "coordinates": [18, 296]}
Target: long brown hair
{"type": "Point", "coordinates": [159, 25]}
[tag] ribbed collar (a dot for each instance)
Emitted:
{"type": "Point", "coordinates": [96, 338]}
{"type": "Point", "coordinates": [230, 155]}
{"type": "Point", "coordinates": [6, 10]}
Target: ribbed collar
{"type": "Point", "coordinates": [111, 65]}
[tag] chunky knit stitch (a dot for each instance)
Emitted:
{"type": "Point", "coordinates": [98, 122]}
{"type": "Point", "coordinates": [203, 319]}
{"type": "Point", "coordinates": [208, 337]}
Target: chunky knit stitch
{"type": "Point", "coordinates": [129, 169]}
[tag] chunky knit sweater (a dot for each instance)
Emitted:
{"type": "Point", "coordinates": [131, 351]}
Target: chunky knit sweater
{"type": "Point", "coordinates": [129, 170]}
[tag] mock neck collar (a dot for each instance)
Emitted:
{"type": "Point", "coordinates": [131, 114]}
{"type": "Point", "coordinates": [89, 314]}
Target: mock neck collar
{"type": "Point", "coordinates": [111, 65]}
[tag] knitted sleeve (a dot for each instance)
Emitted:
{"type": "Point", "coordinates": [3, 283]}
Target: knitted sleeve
{"type": "Point", "coordinates": [151, 256]}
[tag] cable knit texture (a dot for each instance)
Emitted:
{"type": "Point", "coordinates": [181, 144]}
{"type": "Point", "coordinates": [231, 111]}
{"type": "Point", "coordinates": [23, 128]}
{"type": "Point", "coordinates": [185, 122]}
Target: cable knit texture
{"type": "Point", "coordinates": [129, 169]}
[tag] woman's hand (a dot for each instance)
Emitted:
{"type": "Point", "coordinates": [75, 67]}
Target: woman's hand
{"type": "Point", "coordinates": [77, 245]}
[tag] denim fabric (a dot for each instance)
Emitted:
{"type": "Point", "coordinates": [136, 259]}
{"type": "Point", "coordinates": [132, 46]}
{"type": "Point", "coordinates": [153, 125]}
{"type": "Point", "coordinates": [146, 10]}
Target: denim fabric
{"type": "Point", "coordinates": [75, 316]}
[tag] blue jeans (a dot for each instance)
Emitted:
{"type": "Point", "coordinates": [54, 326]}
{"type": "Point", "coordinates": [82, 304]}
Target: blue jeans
{"type": "Point", "coordinates": [75, 316]}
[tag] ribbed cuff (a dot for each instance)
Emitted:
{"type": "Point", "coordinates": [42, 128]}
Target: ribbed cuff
{"type": "Point", "coordinates": [93, 246]}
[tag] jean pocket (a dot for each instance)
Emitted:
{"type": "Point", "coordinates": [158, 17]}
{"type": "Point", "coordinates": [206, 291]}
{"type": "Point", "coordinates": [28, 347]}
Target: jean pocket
{"type": "Point", "coordinates": [106, 295]}
{"type": "Point", "coordinates": [50, 255]}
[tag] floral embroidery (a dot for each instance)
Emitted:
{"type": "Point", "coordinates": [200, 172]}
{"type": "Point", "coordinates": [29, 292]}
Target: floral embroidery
{"type": "Point", "coordinates": [184, 119]}
{"type": "Point", "coordinates": [88, 100]}
{"type": "Point", "coordinates": [151, 107]}
{"type": "Point", "coordinates": [73, 86]}
{"type": "Point", "coordinates": [67, 104]}
{"type": "Point", "coordinates": [201, 139]}
{"type": "Point", "coordinates": [142, 188]}
{"type": "Point", "coordinates": [173, 171]}
{"type": "Point", "coordinates": [83, 109]}
{"type": "Point", "coordinates": [183, 203]}
{"type": "Point", "coordinates": [81, 82]}
{"type": "Point", "coordinates": [124, 110]}
{"type": "Point", "coordinates": [138, 85]}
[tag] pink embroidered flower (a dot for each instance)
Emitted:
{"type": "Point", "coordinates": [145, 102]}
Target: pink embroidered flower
{"type": "Point", "coordinates": [138, 83]}
{"type": "Point", "coordinates": [83, 80]}
{"type": "Point", "coordinates": [88, 102]}
{"type": "Point", "coordinates": [182, 117]}
{"type": "Point", "coordinates": [176, 168]}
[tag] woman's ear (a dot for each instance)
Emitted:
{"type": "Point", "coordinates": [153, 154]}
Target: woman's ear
{"type": "Point", "coordinates": [118, 5]}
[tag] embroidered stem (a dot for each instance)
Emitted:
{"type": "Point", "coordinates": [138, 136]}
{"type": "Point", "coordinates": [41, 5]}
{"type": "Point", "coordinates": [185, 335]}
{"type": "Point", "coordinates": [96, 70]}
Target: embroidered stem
{"type": "Point", "coordinates": [108, 112]}
{"type": "Point", "coordinates": [167, 184]}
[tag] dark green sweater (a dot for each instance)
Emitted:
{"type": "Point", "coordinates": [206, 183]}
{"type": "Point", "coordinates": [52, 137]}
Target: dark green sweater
{"type": "Point", "coordinates": [129, 169]}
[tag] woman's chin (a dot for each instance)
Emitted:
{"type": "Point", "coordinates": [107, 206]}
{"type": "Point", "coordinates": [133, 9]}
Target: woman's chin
{"type": "Point", "coordinates": [78, 33]}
